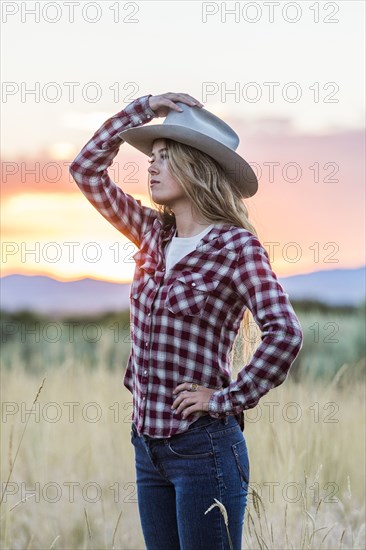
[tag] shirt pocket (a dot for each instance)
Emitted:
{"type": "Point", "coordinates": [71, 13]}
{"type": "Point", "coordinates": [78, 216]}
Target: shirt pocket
{"type": "Point", "coordinates": [189, 293]}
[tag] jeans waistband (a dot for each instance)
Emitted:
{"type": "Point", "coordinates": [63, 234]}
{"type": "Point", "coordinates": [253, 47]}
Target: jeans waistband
{"type": "Point", "coordinates": [205, 420]}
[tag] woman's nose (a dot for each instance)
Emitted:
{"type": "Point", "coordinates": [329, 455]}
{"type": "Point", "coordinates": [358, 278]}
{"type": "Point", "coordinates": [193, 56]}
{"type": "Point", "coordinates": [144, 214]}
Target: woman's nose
{"type": "Point", "coordinates": [152, 169]}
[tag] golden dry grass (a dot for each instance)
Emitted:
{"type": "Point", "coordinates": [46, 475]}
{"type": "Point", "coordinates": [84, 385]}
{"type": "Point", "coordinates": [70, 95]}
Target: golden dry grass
{"type": "Point", "coordinates": [73, 481]}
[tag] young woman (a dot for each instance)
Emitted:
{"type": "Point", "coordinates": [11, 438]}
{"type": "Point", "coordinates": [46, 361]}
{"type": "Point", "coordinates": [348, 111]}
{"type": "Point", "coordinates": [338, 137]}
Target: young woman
{"type": "Point", "coordinates": [199, 268]}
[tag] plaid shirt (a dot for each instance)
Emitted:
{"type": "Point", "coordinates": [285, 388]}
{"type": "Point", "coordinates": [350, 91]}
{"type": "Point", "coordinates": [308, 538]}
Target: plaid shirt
{"type": "Point", "coordinates": [183, 326]}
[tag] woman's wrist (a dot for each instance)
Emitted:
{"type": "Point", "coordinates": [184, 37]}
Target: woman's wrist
{"type": "Point", "coordinates": [139, 110]}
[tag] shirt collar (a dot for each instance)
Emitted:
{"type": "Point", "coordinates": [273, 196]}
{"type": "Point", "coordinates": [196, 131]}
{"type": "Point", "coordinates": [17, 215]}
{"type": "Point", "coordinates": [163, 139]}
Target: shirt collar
{"type": "Point", "coordinates": [216, 232]}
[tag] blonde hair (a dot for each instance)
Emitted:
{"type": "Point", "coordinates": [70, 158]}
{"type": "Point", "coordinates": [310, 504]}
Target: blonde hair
{"type": "Point", "coordinates": [205, 183]}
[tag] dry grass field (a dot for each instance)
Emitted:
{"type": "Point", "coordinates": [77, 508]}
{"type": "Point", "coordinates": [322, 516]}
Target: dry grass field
{"type": "Point", "coordinates": [72, 482]}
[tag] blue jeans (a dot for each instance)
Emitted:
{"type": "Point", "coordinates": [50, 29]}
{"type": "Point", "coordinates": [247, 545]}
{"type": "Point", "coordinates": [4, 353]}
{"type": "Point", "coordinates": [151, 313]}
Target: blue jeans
{"type": "Point", "coordinates": [178, 479]}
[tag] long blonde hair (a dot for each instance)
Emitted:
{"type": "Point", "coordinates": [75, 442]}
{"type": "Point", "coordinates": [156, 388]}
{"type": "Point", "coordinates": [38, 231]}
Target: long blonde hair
{"type": "Point", "coordinates": [207, 186]}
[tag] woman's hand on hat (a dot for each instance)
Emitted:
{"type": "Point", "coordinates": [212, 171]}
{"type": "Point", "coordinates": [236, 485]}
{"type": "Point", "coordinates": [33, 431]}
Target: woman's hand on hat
{"type": "Point", "coordinates": [161, 104]}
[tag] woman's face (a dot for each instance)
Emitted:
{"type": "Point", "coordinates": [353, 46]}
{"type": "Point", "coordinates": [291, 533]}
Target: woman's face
{"type": "Point", "coordinates": [165, 190]}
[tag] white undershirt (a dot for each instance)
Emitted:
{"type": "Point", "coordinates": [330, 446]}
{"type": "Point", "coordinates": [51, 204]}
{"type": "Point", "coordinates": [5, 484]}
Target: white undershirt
{"type": "Point", "coordinates": [179, 247]}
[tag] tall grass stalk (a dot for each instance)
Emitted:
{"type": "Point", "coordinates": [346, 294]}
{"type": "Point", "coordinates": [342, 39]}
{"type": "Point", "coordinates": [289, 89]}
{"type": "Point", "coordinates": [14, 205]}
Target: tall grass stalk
{"type": "Point", "coordinates": [90, 537]}
{"type": "Point", "coordinates": [12, 462]}
{"type": "Point", "coordinates": [223, 511]}
{"type": "Point", "coordinates": [115, 530]}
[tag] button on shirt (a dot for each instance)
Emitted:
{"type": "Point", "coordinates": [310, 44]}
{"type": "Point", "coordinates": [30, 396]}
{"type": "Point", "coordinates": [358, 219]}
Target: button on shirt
{"type": "Point", "coordinates": [184, 320]}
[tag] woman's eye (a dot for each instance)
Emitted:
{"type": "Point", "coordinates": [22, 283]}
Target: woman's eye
{"type": "Point", "coordinates": [163, 157]}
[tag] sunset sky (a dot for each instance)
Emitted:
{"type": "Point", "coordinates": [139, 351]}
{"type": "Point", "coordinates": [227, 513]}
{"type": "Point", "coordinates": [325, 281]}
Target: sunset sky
{"type": "Point", "coordinates": [83, 72]}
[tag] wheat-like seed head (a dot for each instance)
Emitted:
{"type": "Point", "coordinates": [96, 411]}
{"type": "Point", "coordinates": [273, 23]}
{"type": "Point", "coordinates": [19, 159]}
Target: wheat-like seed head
{"type": "Point", "coordinates": [221, 508]}
{"type": "Point", "coordinates": [223, 511]}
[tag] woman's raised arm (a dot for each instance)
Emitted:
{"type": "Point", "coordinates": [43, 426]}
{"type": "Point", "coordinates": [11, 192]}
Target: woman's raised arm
{"type": "Point", "coordinates": [89, 170]}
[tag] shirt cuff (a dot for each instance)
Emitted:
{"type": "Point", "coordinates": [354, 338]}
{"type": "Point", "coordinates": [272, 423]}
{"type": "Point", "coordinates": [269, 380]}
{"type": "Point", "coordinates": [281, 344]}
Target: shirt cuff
{"type": "Point", "coordinates": [135, 113]}
{"type": "Point", "coordinates": [220, 404]}
{"type": "Point", "coordinates": [139, 110]}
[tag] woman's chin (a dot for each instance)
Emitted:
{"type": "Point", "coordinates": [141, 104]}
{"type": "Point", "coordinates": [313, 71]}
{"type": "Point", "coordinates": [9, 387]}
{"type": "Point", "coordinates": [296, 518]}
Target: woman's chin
{"type": "Point", "coordinates": [158, 198]}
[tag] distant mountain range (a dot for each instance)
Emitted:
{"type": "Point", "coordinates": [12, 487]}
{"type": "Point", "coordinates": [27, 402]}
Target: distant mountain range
{"type": "Point", "coordinates": [45, 295]}
{"type": "Point", "coordinates": [48, 296]}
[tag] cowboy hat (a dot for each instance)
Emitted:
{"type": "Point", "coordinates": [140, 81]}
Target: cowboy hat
{"type": "Point", "coordinates": [206, 132]}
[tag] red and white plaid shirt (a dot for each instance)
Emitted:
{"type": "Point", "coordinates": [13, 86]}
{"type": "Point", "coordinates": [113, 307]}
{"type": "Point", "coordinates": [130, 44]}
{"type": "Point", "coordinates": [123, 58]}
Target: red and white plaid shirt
{"type": "Point", "coordinates": [183, 328]}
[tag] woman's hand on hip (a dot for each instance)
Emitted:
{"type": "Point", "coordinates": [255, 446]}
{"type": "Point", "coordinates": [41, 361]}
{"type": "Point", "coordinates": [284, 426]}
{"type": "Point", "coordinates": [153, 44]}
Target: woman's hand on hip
{"type": "Point", "coordinates": [161, 104]}
{"type": "Point", "coordinates": [191, 401]}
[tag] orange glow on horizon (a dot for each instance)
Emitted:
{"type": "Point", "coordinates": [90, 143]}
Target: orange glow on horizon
{"type": "Point", "coordinates": [61, 235]}
{"type": "Point", "coordinates": [306, 215]}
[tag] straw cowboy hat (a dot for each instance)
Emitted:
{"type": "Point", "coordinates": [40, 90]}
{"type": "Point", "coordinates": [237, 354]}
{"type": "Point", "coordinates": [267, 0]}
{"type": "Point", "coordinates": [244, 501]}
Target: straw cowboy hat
{"type": "Point", "coordinates": [205, 131]}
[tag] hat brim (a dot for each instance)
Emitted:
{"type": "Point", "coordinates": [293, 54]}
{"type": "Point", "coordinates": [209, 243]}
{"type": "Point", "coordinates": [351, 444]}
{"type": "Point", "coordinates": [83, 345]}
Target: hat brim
{"type": "Point", "coordinates": [239, 172]}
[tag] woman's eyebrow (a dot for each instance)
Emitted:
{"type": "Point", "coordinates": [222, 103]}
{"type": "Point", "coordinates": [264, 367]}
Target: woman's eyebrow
{"type": "Point", "coordinates": [163, 149]}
